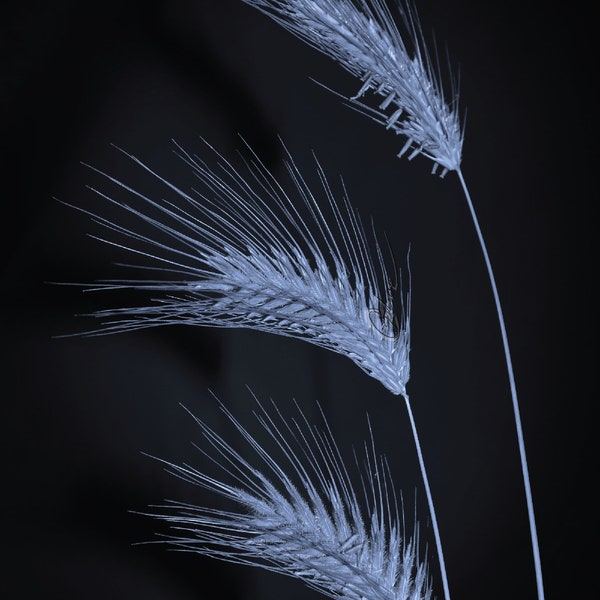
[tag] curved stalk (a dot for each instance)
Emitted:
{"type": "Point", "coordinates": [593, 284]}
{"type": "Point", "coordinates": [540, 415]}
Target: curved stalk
{"type": "Point", "coordinates": [513, 392]}
{"type": "Point", "coordinates": [436, 531]}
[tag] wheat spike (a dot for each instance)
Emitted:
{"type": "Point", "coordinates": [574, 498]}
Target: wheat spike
{"type": "Point", "coordinates": [245, 254]}
{"type": "Point", "coordinates": [301, 516]}
{"type": "Point", "coordinates": [362, 36]}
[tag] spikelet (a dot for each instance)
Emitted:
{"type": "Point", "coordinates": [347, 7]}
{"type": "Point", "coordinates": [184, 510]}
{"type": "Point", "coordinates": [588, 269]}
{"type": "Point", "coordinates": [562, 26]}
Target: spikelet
{"type": "Point", "coordinates": [364, 39]}
{"type": "Point", "coordinates": [244, 254]}
{"type": "Point", "coordinates": [301, 516]}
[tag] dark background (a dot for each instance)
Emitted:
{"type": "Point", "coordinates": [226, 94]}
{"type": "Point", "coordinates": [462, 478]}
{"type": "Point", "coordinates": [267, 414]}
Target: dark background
{"type": "Point", "coordinates": [79, 412]}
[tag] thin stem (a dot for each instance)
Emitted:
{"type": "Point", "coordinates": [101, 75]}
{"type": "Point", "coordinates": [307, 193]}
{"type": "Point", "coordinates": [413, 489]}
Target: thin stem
{"type": "Point", "coordinates": [436, 531]}
{"type": "Point", "coordinates": [513, 391]}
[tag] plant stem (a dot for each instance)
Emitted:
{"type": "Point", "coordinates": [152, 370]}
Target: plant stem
{"type": "Point", "coordinates": [513, 391]}
{"type": "Point", "coordinates": [436, 531]}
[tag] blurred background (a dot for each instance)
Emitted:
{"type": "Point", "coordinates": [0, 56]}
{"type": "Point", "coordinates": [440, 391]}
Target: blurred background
{"type": "Point", "coordinates": [79, 412]}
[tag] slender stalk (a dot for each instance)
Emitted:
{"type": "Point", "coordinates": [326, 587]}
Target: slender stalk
{"type": "Point", "coordinates": [513, 391]}
{"type": "Point", "coordinates": [436, 531]}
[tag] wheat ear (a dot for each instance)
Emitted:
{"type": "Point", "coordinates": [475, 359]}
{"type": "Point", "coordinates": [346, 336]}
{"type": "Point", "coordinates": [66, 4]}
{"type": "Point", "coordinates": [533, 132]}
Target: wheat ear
{"type": "Point", "coordinates": [300, 515]}
{"type": "Point", "coordinates": [245, 254]}
{"type": "Point", "coordinates": [363, 38]}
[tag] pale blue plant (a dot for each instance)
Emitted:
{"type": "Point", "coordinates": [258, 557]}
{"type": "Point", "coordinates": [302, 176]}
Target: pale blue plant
{"type": "Point", "coordinates": [362, 36]}
{"type": "Point", "coordinates": [242, 253]}
{"type": "Point", "coordinates": [300, 514]}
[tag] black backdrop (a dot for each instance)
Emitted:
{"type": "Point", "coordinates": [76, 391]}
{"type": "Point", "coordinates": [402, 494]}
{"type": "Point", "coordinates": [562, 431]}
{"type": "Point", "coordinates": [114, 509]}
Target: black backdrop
{"type": "Point", "coordinates": [79, 412]}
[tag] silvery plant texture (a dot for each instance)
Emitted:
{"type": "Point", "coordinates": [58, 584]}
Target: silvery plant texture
{"type": "Point", "coordinates": [302, 516]}
{"type": "Point", "coordinates": [243, 249]}
{"type": "Point", "coordinates": [242, 254]}
{"type": "Point", "coordinates": [363, 37]}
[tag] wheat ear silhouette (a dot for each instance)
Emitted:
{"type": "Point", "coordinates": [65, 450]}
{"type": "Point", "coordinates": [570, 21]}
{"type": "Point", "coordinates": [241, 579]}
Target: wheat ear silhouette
{"type": "Point", "coordinates": [362, 36]}
{"type": "Point", "coordinates": [245, 254]}
{"type": "Point", "coordinates": [301, 515]}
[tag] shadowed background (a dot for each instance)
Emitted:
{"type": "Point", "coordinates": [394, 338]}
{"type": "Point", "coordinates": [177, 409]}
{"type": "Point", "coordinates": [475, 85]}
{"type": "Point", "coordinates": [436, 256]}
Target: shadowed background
{"type": "Point", "coordinates": [79, 412]}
